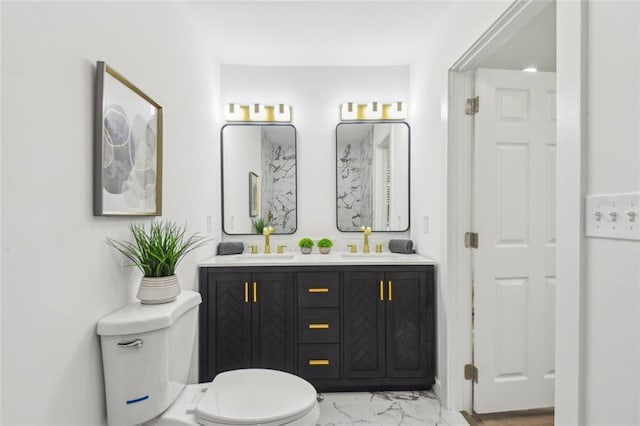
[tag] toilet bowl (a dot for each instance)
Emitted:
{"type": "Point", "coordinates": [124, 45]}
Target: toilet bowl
{"type": "Point", "coordinates": [245, 397]}
{"type": "Point", "coordinates": [146, 352]}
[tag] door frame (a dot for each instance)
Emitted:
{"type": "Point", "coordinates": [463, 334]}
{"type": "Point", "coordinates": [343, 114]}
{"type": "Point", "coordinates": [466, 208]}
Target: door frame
{"type": "Point", "coordinates": [571, 78]}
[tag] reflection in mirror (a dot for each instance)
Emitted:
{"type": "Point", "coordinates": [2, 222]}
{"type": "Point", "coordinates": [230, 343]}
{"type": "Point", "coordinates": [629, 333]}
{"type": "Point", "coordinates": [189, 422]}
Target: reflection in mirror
{"type": "Point", "coordinates": [372, 176]}
{"type": "Point", "coordinates": [258, 178]}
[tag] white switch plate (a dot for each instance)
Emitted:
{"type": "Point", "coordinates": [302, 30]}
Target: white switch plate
{"type": "Point", "coordinates": [209, 224]}
{"type": "Point", "coordinates": [613, 216]}
{"type": "Point", "coordinates": [425, 224]}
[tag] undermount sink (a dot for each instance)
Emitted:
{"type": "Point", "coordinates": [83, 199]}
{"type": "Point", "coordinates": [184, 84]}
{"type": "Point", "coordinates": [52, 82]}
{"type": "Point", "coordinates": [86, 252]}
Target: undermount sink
{"type": "Point", "coordinates": [369, 255]}
{"type": "Point", "coordinates": [261, 256]}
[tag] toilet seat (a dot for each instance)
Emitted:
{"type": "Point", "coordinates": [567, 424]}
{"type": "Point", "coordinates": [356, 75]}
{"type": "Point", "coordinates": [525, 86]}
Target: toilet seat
{"type": "Point", "coordinates": [255, 396]}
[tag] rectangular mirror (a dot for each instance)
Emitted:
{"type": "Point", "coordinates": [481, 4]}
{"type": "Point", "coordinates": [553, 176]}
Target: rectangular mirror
{"type": "Point", "coordinates": [259, 177]}
{"type": "Point", "coordinates": [372, 176]}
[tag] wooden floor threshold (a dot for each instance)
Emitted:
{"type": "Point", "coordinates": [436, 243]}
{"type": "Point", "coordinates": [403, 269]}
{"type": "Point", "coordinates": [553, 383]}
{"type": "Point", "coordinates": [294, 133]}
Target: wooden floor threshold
{"type": "Point", "coordinates": [538, 417]}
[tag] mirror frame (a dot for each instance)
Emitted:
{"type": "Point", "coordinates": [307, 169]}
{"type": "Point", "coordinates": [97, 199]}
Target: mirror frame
{"type": "Point", "coordinates": [371, 122]}
{"type": "Point", "coordinates": [295, 149]}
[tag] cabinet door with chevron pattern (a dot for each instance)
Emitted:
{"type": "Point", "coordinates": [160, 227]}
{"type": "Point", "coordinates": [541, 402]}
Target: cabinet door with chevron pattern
{"type": "Point", "coordinates": [364, 329]}
{"type": "Point", "coordinates": [232, 342]}
{"type": "Point", "coordinates": [273, 323]}
{"type": "Point", "coordinates": [406, 324]}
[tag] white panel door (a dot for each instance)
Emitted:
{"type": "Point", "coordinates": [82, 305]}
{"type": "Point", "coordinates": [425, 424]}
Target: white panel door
{"type": "Point", "coordinates": [514, 265]}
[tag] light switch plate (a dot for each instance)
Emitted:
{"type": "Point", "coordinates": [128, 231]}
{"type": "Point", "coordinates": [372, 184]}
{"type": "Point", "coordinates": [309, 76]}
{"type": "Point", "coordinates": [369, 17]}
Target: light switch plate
{"type": "Point", "coordinates": [613, 216]}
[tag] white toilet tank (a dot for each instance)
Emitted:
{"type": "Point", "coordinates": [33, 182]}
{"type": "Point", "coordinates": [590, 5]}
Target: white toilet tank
{"type": "Point", "coordinates": [146, 353]}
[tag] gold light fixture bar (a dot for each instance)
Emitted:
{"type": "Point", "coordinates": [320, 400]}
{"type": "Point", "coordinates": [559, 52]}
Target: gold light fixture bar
{"type": "Point", "coordinates": [257, 112]}
{"type": "Point", "coordinates": [352, 111]}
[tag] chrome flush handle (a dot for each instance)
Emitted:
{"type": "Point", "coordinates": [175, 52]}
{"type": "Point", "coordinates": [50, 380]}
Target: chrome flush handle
{"type": "Point", "coordinates": [135, 344]}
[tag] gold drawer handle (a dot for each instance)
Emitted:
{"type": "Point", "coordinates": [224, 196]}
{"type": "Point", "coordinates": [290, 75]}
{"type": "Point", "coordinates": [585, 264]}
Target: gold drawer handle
{"type": "Point", "coordinates": [319, 290]}
{"type": "Point", "coordinates": [318, 326]}
{"type": "Point", "coordinates": [381, 290]}
{"type": "Point", "coordinates": [246, 292]}
{"type": "Point", "coordinates": [390, 291]}
{"type": "Point", "coordinates": [318, 362]}
{"type": "Point", "coordinates": [255, 292]}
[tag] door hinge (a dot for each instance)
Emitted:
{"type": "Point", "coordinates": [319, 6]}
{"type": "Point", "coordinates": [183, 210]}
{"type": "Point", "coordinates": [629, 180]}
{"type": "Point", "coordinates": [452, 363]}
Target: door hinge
{"type": "Point", "coordinates": [472, 106]}
{"type": "Point", "coordinates": [471, 240]}
{"type": "Point", "coordinates": [471, 372]}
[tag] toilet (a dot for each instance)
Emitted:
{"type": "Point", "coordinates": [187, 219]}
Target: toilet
{"type": "Point", "coordinates": [146, 353]}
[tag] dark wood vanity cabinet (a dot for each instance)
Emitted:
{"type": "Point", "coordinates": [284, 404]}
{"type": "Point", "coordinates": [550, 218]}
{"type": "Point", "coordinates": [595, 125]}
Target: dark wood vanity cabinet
{"type": "Point", "coordinates": [319, 328]}
{"type": "Point", "coordinates": [247, 319]}
{"type": "Point", "coordinates": [388, 325]}
{"type": "Point", "coordinates": [340, 327]}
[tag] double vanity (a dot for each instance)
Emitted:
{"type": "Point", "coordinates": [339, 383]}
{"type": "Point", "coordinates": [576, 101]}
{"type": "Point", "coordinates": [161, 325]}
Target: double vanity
{"type": "Point", "coordinates": [342, 321]}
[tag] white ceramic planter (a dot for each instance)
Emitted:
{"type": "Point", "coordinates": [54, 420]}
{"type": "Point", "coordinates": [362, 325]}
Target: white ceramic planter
{"type": "Point", "coordinates": [324, 250]}
{"type": "Point", "coordinates": [154, 290]}
{"type": "Point", "coordinates": [305, 250]}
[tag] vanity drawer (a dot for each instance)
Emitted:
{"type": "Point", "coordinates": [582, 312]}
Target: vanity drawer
{"type": "Point", "coordinates": [319, 325]}
{"type": "Point", "coordinates": [318, 289]}
{"type": "Point", "coordinates": [319, 361]}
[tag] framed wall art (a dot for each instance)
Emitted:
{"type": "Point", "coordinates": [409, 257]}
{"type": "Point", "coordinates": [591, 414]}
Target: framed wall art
{"type": "Point", "coordinates": [254, 195]}
{"type": "Point", "coordinates": [127, 148]}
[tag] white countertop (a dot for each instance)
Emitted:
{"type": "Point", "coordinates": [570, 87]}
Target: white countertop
{"type": "Point", "coordinates": [316, 259]}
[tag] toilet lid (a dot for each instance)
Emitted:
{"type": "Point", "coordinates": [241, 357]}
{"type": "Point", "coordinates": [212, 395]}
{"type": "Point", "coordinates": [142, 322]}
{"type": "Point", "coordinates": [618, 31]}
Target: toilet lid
{"type": "Point", "coordinates": [256, 396]}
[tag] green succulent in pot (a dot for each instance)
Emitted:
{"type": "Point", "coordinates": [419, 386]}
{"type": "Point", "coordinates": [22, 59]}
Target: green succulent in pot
{"type": "Point", "coordinates": [157, 251]}
{"type": "Point", "coordinates": [306, 245]}
{"type": "Point", "coordinates": [324, 245]}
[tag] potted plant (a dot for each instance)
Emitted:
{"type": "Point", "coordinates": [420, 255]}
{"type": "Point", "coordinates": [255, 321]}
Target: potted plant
{"type": "Point", "coordinates": [324, 245]}
{"type": "Point", "coordinates": [258, 225]}
{"type": "Point", "coordinates": [157, 251]}
{"type": "Point", "coordinates": [305, 244]}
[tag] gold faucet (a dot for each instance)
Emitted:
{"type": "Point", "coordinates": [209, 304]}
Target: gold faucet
{"type": "Point", "coordinates": [353, 248]}
{"type": "Point", "coordinates": [281, 249]}
{"type": "Point", "coordinates": [267, 231]}
{"type": "Point", "coordinates": [366, 230]}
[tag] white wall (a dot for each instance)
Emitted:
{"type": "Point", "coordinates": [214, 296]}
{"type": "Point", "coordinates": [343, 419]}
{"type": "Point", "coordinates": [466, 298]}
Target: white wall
{"type": "Point", "coordinates": [58, 276]}
{"type": "Point", "coordinates": [315, 94]}
{"type": "Point", "coordinates": [464, 24]}
{"type": "Point", "coordinates": [610, 355]}
{"type": "Point", "coordinates": [612, 297]}
{"type": "Point", "coordinates": [1, 240]}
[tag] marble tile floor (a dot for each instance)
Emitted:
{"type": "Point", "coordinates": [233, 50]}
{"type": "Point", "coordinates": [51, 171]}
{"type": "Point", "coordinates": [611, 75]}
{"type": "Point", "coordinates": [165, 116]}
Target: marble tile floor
{"type": "Point", "coordinates": [411, 408]}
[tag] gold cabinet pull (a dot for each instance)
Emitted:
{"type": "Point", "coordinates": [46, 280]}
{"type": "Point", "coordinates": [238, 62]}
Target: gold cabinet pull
{"type": "Point", "coordinates": [255, 292]}
{"type": "Point", "coordinates": [318, 362]}
{"type": "Point", "coordinates": [319, 290]}
{"type": "Point", "coordinates": [246, 292]}
{"type": "Point", "coordinates": [381, 290]}
{"type": "Point", "coordinates": [318, 326]}
{"type": "Point", "coordinates": [390, 291]}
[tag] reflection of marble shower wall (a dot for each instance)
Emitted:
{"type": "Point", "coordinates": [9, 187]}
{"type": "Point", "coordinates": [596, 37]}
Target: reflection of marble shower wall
{"type": "Point", "coordinates": [278, 184]}
{"type": "Point", "coordinates": [354, 185]}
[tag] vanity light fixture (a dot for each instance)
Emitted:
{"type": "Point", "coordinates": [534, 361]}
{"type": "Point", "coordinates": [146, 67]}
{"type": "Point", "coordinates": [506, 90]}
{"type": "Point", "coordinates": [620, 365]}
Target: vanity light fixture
{"type": "Point", "coordinates": [352, 111]}
{"type": "Point", "coordinates": [373, 111]}
{"type": "Point", "coordinates": [257, 112]}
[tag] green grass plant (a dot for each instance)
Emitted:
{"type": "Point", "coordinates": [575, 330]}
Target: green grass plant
{"type": "Point", "coordinates": [258, 225]}
{"type": "Point", "coordinates": [158, 250]}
